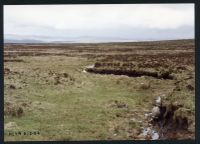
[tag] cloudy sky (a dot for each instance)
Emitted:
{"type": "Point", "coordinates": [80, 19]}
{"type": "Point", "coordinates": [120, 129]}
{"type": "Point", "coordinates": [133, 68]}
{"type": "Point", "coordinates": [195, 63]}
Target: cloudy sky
{"type": "Point", "coordinates": [99, 22]}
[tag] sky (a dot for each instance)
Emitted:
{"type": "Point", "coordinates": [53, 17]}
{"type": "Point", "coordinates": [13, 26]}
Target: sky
{"type": "Point", "coordinates": [121, 22]}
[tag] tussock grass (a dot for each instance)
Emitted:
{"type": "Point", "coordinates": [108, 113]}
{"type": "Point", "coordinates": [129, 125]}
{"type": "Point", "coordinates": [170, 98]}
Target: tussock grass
{"type": "Point", "coordinates": [64, 103]}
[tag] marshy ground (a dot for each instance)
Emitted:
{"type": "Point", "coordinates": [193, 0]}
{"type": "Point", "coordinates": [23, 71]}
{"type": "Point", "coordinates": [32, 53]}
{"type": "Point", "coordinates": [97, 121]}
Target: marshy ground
{"type": "Point", "coordinates": [50, 88]}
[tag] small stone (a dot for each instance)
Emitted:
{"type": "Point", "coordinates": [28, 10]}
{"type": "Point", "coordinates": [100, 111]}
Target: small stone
{"type": "Point", "coordinates": [146, 115]}
{"type": "Point", "coordinates": [154, 135]}
{"type": "Point", "coordinates": [158, 101]}
{"type": "Point", "coordinates": [155, 111]}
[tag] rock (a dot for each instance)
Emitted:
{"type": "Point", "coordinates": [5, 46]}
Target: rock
{"type": "Point", "coordinates": [155, 111]}
{"type": "Point", "coordinates": [154, 135]}
{"type": "Point", "coordinates": [158, 101]}
{"type": "Point", "coordinates": [146, 115]}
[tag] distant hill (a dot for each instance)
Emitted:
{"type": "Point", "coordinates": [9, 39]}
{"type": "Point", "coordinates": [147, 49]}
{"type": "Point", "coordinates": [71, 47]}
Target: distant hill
{"type": "Point", "coordinates": [12, 38]}
{"type": "Point", "coordinates": [22, 41]}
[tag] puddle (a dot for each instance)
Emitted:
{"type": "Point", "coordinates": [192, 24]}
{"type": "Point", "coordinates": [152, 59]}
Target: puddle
{"type": "Point", "coordinates": [149, 132]}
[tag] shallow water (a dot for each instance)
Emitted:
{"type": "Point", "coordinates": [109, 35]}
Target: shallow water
{"type": "Point", "coordinates": [150, 132]}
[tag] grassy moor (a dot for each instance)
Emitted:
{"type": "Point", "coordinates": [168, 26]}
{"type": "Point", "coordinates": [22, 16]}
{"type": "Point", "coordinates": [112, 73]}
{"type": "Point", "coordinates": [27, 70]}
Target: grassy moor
{"type": "Point", "coordinates": [100, 91]}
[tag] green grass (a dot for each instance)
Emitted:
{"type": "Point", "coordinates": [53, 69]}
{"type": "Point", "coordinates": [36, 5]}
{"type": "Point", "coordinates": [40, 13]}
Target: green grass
{"type": "Point", "coordinates": [80, 109]}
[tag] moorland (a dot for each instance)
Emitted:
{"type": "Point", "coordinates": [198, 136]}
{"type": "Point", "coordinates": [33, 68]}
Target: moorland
{"type": "Point", "coordinates": [99, 91]}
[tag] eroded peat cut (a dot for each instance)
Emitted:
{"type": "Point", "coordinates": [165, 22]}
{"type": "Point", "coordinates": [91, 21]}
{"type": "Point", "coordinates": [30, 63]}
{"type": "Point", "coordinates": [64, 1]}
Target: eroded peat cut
{"type": "Point", "coordinates": [131, 73]}
{"type": "Point", "coordinates": [100, 91]}
{"type": "Point", "coordinates": [162, 65]}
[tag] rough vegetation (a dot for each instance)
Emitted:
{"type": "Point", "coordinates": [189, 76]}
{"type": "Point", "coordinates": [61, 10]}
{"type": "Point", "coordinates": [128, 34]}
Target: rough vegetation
{"type": "Point", "coordinates": [102, 91]}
